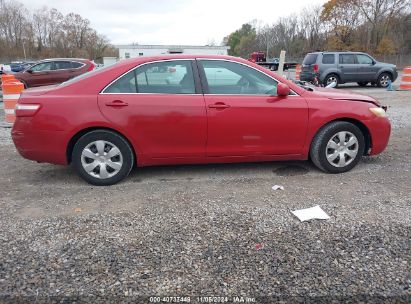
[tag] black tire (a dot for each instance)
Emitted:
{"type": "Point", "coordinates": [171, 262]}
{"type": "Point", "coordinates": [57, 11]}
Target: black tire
{"type": "Point", "coordinates": [25, 84]}
{"type": "Point", "coordinates": [110, 138]}
{"type": "Point", "coordinates": [362, 84]}
{"type": "Point", "coordinates": [382, 81]}
{"type": "Point", "coordinates": [319, 149]}
{"type": "Point", "coordinates": [330, 77]}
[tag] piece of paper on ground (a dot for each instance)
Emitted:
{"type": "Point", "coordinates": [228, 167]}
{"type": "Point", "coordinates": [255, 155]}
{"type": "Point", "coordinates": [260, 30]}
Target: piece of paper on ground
{"type": "Point", "coordinates": [311, 213]}
{"type": "Point", "coordinates": [277, 187]}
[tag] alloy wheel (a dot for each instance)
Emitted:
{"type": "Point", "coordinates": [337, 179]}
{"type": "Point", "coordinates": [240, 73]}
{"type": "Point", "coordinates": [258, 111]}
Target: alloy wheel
{"type": "Point", "coordinates": [384, 80]}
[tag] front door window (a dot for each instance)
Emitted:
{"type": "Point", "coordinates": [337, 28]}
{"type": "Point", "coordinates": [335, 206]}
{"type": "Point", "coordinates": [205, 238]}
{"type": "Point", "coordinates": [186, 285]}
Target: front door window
{"type": "Point", "coordinates": [230, 78]}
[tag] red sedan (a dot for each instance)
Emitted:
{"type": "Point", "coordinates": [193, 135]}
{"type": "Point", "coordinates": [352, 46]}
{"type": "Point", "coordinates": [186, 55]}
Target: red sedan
{"type": "Point", "coordinates": [193, 110]}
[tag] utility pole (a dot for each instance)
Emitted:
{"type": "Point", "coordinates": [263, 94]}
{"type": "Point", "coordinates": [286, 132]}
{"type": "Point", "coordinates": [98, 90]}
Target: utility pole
{"type": "Point", "coordinates": [24, 51]}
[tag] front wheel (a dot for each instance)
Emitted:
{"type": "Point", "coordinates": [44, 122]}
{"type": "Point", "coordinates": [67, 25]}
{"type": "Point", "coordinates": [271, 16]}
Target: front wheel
{"type": "Point", "coordinates": [337, 147]}
{"type": "Point", "coordinates": [102, 157]}
{"type": "Point", "coordinates": [383, 80]}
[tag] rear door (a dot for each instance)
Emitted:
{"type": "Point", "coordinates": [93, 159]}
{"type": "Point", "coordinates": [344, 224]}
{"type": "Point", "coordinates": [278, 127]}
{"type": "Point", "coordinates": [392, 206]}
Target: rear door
{"type": "Point", "coordinates": [161, 105]}
{"type": "Point", "coordinates": [61, 71]}
{"type": "Point", "coordinates": [77, 68]}
{"type": "Point", "coordinates": [348, 67]}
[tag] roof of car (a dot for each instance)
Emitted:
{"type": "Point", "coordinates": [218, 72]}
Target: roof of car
{"type": "Point", "coordinates": [68, 59]}
{"type": "Point", "coordinates": [349, 52]}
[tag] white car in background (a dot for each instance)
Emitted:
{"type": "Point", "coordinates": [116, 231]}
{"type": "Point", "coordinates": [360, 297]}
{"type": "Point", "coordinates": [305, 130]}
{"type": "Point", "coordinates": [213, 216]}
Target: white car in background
{"type": "Point", "coordinates": [4, 68]}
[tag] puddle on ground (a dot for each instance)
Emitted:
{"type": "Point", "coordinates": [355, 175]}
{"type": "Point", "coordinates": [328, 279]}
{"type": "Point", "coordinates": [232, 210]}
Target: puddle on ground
{"type": "Point", "coordinates": [291, 170]}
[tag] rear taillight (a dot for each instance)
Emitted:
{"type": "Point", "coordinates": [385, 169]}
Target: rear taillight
{"type": "Point", "coordinates": [315, 67]}
{"type": "Point", "coordinates": [25, 110]}
{"type": "Point", "coordinates": [91, 67]}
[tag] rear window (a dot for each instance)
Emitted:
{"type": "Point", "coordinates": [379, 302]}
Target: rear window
{"type": "Point", "coordinates": [328, 58]}
{"type": "Point", "coordinates": [310, 59]}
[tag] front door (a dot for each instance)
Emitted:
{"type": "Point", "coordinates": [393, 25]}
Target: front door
{"type": "Point", "coordinates": [245, 115]}
{"type": "Point", "coordinates": [366, 68]}
{"type": "Point", "coordinates": [160, 104]}
{"type": "Point", "coordinates": [40, 74]}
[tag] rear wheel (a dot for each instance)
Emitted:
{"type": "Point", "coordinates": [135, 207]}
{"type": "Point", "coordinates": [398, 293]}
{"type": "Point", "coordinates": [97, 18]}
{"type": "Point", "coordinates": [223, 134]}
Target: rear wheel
{"type": "Point", "coordinates": [330, 79]}
{"type": "Point", "coordinates": [337, 147]}
{"type": "Point", "coordinates": [362, 84]}
{"type": "Point", "coordinates": [102, 157]}
{"type": "Point", "coordinates": [25, 84]}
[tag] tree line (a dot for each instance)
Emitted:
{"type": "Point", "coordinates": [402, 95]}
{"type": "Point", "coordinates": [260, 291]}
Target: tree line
{"type": "Point", "coordinates": [378, 27]}
{"type": "Point", "coordinates": [47, 33]}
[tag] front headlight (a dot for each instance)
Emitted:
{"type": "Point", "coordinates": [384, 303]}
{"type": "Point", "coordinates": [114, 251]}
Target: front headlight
{"type": "Point", "coordinates": [380, 112]}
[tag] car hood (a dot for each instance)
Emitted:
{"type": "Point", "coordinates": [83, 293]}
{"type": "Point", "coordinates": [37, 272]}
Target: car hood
{"type": "Point", "coordinates": [337, 94]}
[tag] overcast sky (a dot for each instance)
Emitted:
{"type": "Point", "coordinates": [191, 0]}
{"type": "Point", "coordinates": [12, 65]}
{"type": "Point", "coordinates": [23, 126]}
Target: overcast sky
{"type": "Point", "coordinates": [195, 22]}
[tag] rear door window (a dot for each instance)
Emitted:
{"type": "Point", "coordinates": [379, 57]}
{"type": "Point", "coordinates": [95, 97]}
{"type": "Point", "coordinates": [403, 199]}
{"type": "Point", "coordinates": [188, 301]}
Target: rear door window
{"type": "Point", "coordinates": [328, 59]}
{"type": "Point", "coordinates": [168, 77]}
{"type": "Point", "coordinates": [310, 59]}
{"type": "Point", "coordinates": [347, 59]}
{"type": "Point", "coordinates": [75, 64]}
{"type": "Point", "coordinates": [62, 65]}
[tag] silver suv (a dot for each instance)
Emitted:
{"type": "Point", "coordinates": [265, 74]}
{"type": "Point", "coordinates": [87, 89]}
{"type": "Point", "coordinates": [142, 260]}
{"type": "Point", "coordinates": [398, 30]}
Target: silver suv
{"type": "Point", "coordinates": [343, 67]}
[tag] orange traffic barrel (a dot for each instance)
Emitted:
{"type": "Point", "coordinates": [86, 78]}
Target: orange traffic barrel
{"type": "Point", "coordinates": [406, 79]}
{"type": "Point", "coordinates": [7, 77]}
{"type": "Point", "coordinates": [11, 94]}
{"type": "Point", "coordinates": [297, 72]}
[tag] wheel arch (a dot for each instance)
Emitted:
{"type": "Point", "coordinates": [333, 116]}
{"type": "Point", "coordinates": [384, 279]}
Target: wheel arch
{"type": "Point", "coordinates": [363, 128]}
{"type": "Point", "coordinates": [80, 133]}
{"type": "Point", "coordinates": [386, 72]}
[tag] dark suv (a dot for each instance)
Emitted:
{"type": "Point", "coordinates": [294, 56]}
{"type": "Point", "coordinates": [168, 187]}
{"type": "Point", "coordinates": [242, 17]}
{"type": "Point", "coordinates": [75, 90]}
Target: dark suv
{"type": "Point", "coordinates": [53, 71]}
{"type": "Point", "coordinates": [343, 67]}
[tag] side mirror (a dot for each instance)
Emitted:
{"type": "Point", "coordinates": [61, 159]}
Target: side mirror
{"type": "Point", "coordinates": [373, 62]}
{"type": "Point", "coordinates": [29, 71]}
{"type": "Point", "coordinates": [283, 89]}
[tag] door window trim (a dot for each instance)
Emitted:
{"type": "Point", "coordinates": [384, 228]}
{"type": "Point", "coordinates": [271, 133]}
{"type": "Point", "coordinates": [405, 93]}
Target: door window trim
{"type": "Point", "coordinates": [71, 61]}
{"type": "Point", "coordinates": [53, 64]}
{"type": "Point", "coordinates": [204, 82]}
{"type": "Point", "coordinates": [194, 68]}
{"type": "Point", "coordinates": [352, 54]}
{"type": "Point", "coordinates": [366, 55]}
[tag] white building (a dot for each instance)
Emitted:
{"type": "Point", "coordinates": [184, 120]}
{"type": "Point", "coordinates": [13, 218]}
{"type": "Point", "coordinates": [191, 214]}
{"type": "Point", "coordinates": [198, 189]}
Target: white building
{"type": "Point", "coordinates": [132, 51]}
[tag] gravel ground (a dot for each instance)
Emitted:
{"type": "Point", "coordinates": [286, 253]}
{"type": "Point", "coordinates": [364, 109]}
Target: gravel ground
{"type": "Point", "coordinates": [213, 230]}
